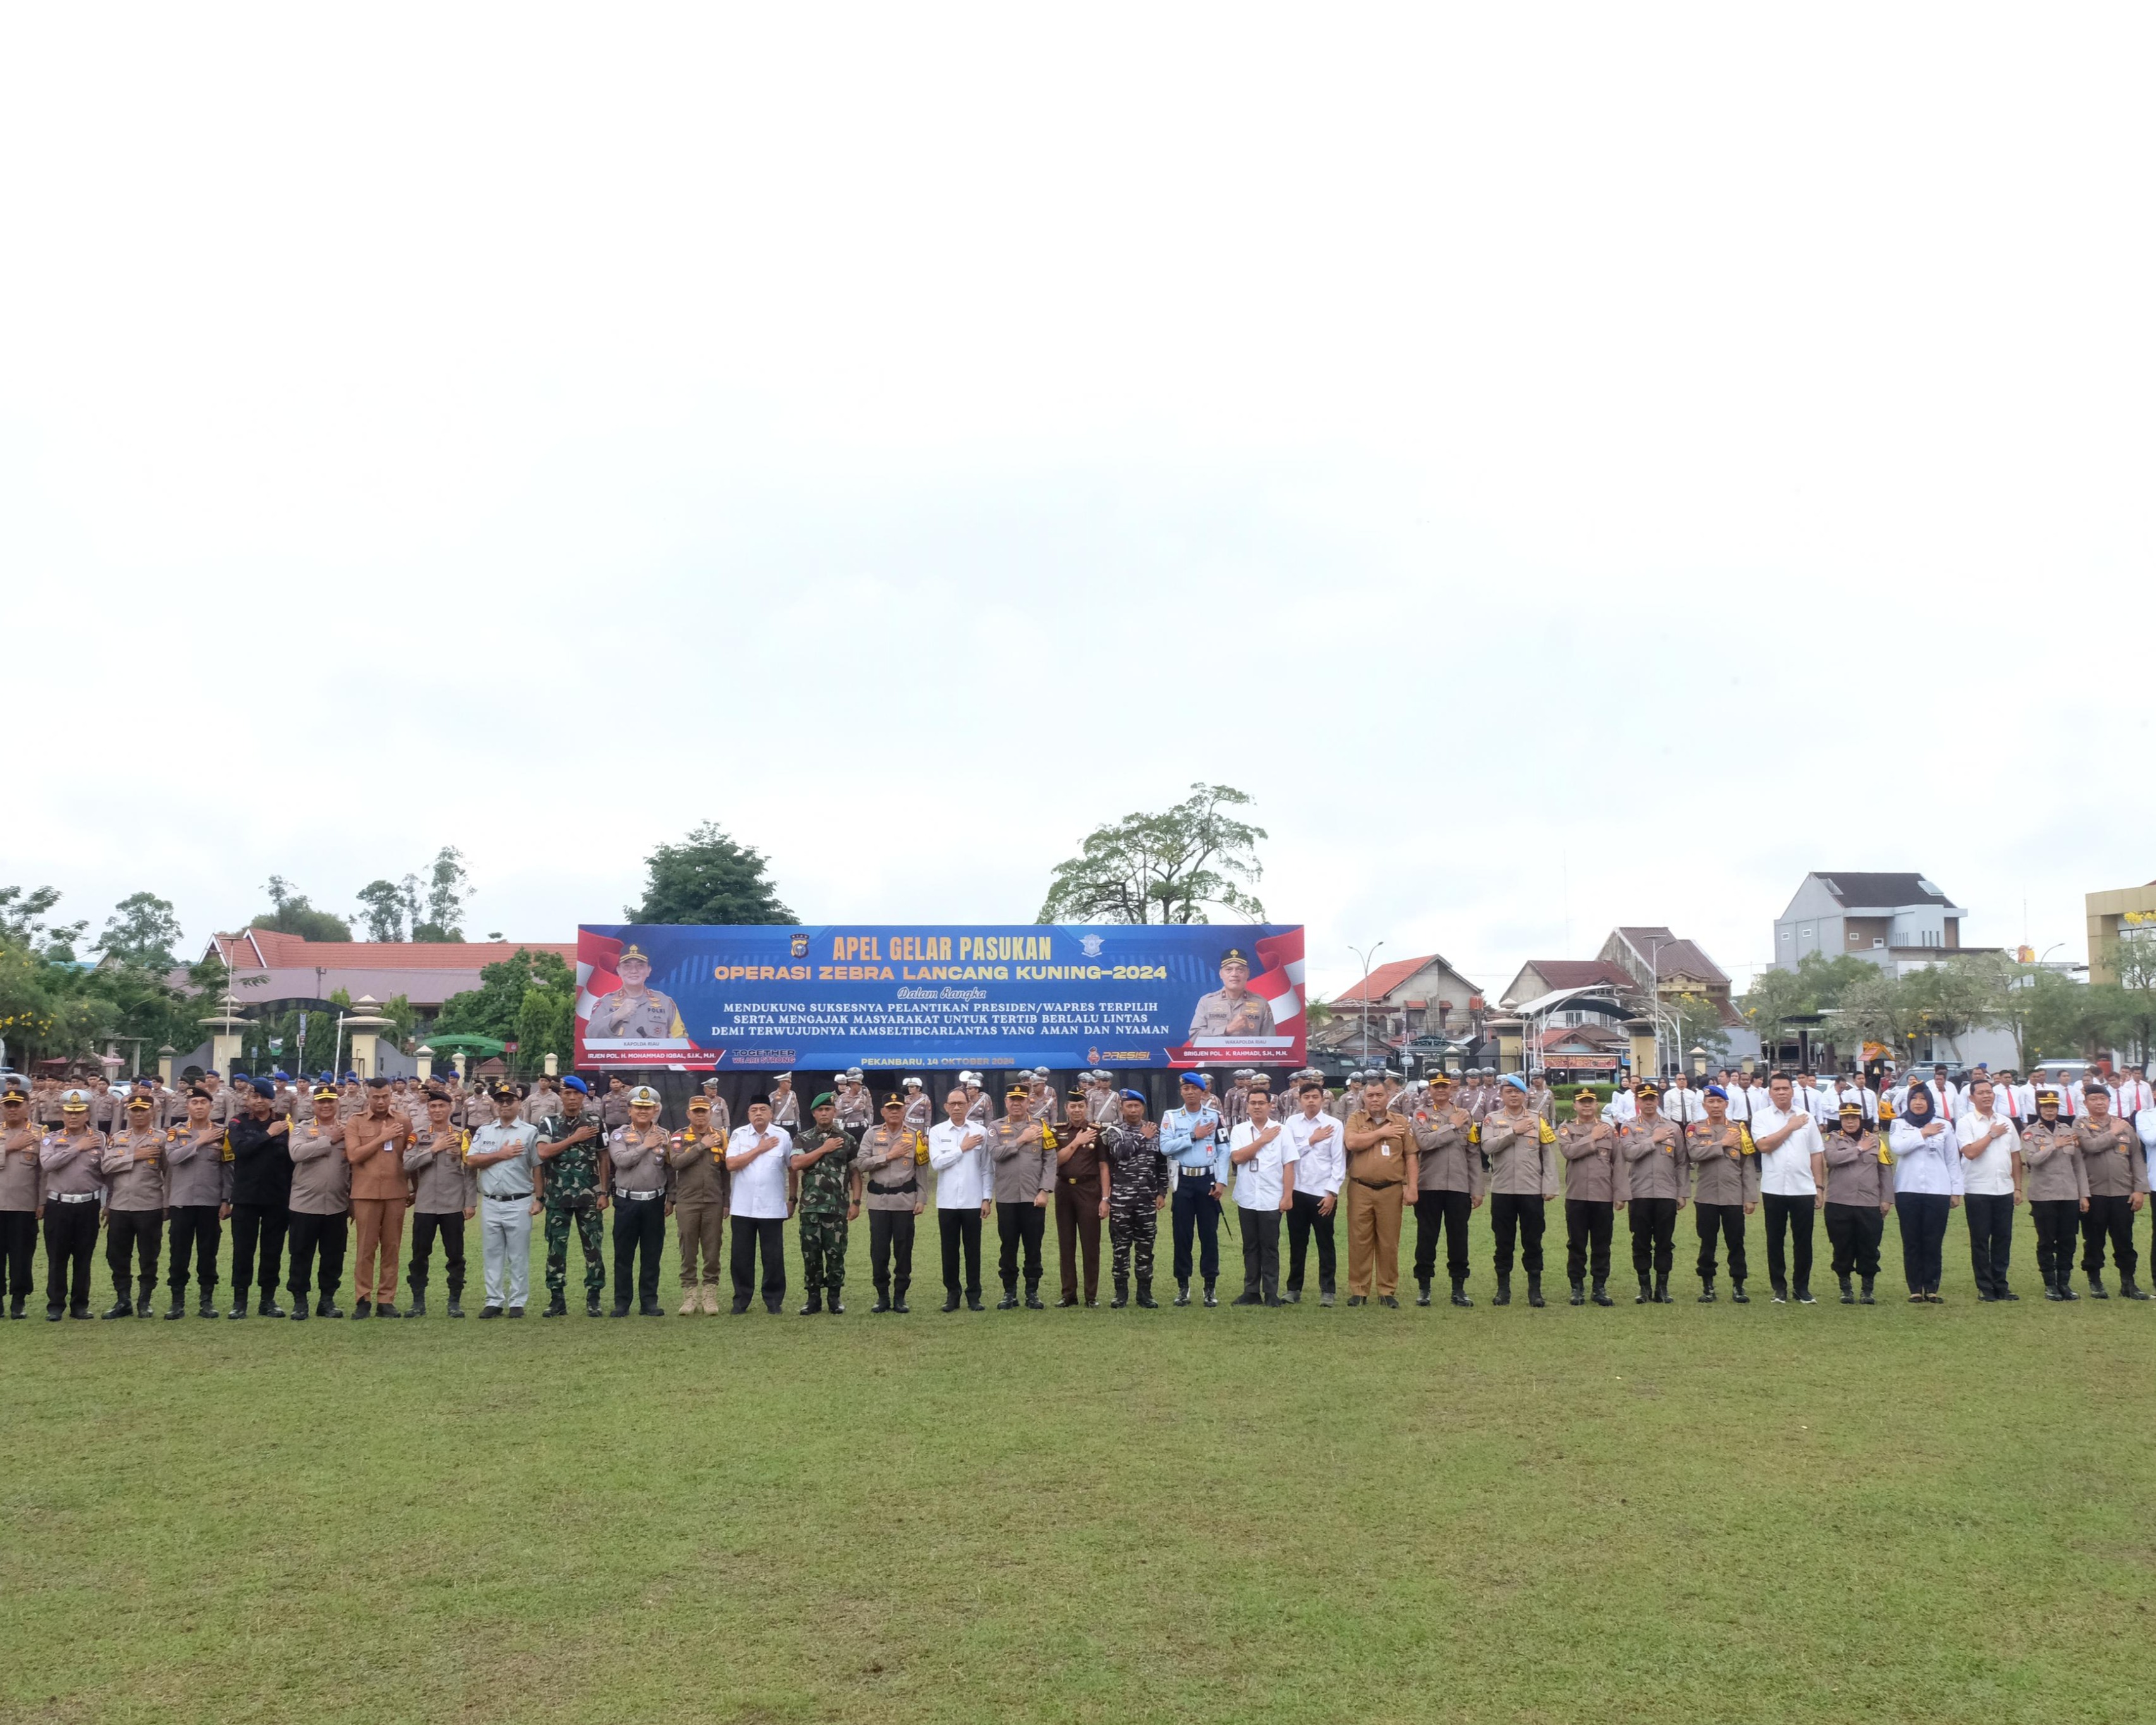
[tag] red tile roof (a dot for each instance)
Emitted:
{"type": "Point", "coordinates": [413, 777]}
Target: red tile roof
{"type": "Point", "coordinates": [266, 949]}
{"type": "Point", "coordinates": [1382, 981]}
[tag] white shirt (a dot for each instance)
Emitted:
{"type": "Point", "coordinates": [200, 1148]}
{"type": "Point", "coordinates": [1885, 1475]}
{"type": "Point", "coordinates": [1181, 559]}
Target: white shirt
{"type": "Point", "coordinates": [2129, 1098]}
{"type": "Point", "coordinates": [1786, 1170]}
{"type": "Point", "coordinates": [1990, 1174]}
{"type": "Point", "coordinates": [1320, 1163]}
{"type": "Point", "coordinates": [1622, 1106]}
{"type": "Point", "coordinates": [1925, 1164]}
{"type": "Point", "coordinates": [962, 1175]}
{"type": "Point", "coordinates": [1740, 1102]}
{"type": "Point", "coordinates": [1682, 1106]}
{"type": "Point", "coordinates": [759, 1190]}
{"type": "Point", "coordinates": [1866, 1098]}
{"type": "Point", "coordinates": [1819, 1104]}
{"type": "Point", "coordinates": [2144, 1123]}
{"type": "Point", "coordinates": [1258, 1181]}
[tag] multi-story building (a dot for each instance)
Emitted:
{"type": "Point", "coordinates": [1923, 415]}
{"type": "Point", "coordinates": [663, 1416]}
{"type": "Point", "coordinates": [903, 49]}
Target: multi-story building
{"type": "Point", "coordinates": [1900, 923]}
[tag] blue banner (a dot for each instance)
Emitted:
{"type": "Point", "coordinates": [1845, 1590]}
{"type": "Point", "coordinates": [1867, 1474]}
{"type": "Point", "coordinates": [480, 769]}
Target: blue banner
{"type": "Point", "coordinates": [778, 996]}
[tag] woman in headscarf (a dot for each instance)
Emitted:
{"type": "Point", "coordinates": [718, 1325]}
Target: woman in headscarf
{"type": "Point", "coordinates": [1926, 1185]}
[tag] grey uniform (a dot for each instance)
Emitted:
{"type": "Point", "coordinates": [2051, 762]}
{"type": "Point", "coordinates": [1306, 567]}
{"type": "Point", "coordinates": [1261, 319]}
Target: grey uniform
{"type": "Point", "coordinates": [1444, 1161]}
{"type": "Point", "coordinates": [321, 1178]}
{"type": "Point", "coordinates": [442, 1185]}
{"type": "Point", "coordinates": [201, 1175]}
{"type": "Point", "coordinates": [1023, 1166]}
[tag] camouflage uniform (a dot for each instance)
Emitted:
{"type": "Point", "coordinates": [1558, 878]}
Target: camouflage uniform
{"type": "Point", "coordinates": [824, 1191]}
{"type": "Point", "coordinates": [1138, 1175]}
{"type": "Point", "coordinates": [572, 1191]}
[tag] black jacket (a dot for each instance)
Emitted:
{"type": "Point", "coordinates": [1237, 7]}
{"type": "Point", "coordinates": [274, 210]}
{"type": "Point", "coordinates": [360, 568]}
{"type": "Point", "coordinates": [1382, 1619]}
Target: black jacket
{"type": "Point", "coordinates": [261, 1165]}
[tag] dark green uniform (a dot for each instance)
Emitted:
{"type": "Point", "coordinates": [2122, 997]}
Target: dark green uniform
{"type": "Point", "coordinates": [573, 1194]}
{"type": "Point", "coordinates": [824, 1191]}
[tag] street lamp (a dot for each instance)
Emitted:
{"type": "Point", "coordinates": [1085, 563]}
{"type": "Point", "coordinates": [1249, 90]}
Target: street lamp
{"type": "Point", "coordinates": [1366, 958]}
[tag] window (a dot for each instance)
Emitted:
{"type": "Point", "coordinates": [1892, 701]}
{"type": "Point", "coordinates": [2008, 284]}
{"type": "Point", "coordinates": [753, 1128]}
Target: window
{"type": "Point", "coordinates": [1878, 942]}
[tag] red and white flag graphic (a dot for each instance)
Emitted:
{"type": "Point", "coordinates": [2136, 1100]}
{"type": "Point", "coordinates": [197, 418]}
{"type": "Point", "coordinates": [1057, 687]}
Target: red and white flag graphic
{"type": "Point", "coordinates": [1280, 983]}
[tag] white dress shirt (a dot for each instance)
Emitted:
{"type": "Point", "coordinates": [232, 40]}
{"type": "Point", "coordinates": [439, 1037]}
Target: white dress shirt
{"type": "Point", "coordinates": [2144, 1124]}
{"type": "Point", "coordinates": [962, 1175]}
{"type": "Point", "coordinates": [1924, 1164]}
{"type": "Point", "coordinates": [1866, 1098]}
{"type": "Point", "coordinates": [2130, 1097]}
{"type": "Point", "coordinates": [1740, 1103]}
{"type": "Point", "coordinates": [1622, 1106]}
{"type": "Point", "coordinates": [759, 1190]}
{"type": "Point", "coordinates": [1786, 1170]}
{"type": "Point", "coordinates": [1684, 1107]}
{"type": "Point", "coordinates": [1990, 1174]}
{"type": "Point", "coordinates": [1258, 1181]}
{"type": "Point", "coordinates": [1321, 1165]}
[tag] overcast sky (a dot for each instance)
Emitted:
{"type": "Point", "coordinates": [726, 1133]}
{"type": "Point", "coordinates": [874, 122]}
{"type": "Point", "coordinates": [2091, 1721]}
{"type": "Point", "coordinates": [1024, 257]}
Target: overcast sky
{"type": "Point", "coordinates": [1571, 467]}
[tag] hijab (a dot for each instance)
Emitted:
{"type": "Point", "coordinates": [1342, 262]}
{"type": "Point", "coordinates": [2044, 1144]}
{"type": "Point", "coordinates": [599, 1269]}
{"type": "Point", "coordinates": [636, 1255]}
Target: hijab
{"type": "Point", "coordinates": [1916, 1109]}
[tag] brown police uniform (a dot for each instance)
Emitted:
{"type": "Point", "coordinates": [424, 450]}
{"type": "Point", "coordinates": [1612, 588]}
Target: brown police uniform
{"type": "Point", "coordinates": [889, 1162]}
{"type": "Point", "coordinates": [136, 1185]}
{"type": "Point", "coordinates": [1376, 1187]}
{"type": "Point", "coordinates": [1860, 1191]}
{"type": "Point", "coordinates": [2112, 1159]}
{"type": "Point", "coordinates": [1589, 1154]}
{"type": "Point", "coordinates": [1654, 1170]}
{"type": "Point", "coordinates": [700, 1188]}
{"type": "Point", "coordinates": [2054, 1180]}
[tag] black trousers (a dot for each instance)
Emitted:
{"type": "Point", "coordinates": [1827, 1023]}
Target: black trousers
{"type": "Point", "coordinates": [2112, 1217]}
{"type": "Point", "coordinates": [961, 1230]}
{"type": "Point", "coordinates": [1654, 1224]}
{"type": "Point", "coordinates": [253, 1225]}
{"type": "Point", "coordinates": [18, 1245]}
{"type": "Point", "coordinates": [448, 1227]}
{"type": "Point", "coordinates": [639, 1225]}
{"type": "Point", "coordinates": [752, 1234]}
{"type": "Point", "coordinates": [890, 1236]}
{"type": "Point", "coordinates": [1990, 1238]}
{"type": "Point", "coordinates": [1261, 1233]}
{"type": "Point", "coordinates": [1305, 1223]}
{"type": "Point", "coordinates": [1020, 1225]}
{"type": "Point", "coordinates": [307, 1237]}
{"type": "Point", "coordinates": [1921, 1217]}
{"type": "Point", "coordinates": [1855, 1231]}
{"type": "Point", "coordinates": [1194, 1208]}
{"type": "Point", "coordinates": [136, 1235]}
{"type": "Point", "coordinates": [70, 1238]}
{"type": "Point", "coordinates": [197, 1232]}
{"type": "Point", "coordinates": [1588, 1223]}
{"type": "Point", "coordinates": [1514, 1213]}
{"type": "Point", "coordinates": [1790, 1216]}
{"type": "Point", "coordinates": [2058, 1225]}
{"type": "Point", "coordinates": [1437, 1212]}
{"type": "Point", "coordinates": [1720, 1224]}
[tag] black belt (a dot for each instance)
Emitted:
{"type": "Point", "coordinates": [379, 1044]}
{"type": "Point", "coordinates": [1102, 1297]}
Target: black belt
{"type": "Point", "coordinates": [892, 1191]}
{"type": "Point", "coordinates": [508, 1197]}
{"type": "Point", "coordinates": [1379, 1185]}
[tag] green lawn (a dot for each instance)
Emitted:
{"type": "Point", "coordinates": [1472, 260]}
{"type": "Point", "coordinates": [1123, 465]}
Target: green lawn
{"type": "Point", "coordinates": [1695, 1513]}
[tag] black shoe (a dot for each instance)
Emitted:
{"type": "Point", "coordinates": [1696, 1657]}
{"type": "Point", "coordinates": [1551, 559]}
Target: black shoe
{"type": "Point", "coordinates": [773, 1306]}
{"type": "Point", "coordinates": [1781, 1294]}
{"type": "Point", "coordinates": [2007, 1293]}
{"type": "Point", "coordinates": [1091, 1301]}
{"type": "Point", "coordinates": [1645, 1295]}
{"type": "Point", "coordinates": [1388, 1300]}
{"type": "Point", "coordinates": [1247, 1299]}
{"type": "Point", "coordinates": [1068, 1299]}
{"type": "Point", "coordinates": [178, 1308]}
{"type": "Point", "coordinates": [298, 1308]}
{"type": "Point", "coordinates": [950, 1302]}
{"type": "Point", "coordinates": [206, 1309]}
{"type": "Point", "coordinates": [516, 1312]}
{"type": "Point", "coordinates": [1503, 1296]}
{"type": "Point", "coordinates": [2097, 1291]}
{"type": "Point", "coordinates": [832, 1303]}
{"type": "Point", "coordinates": [239, 1311]}
{"type": "Point", "coordinates": [1210, 1299]}
{"type": "Point", "coordinates": [973, 1303]}
{"type": "Point", "coordinates": [267, 1307]}
{"type": "Point", "coordinates": [652, 1308]}
{"type": "Point", "coordinates": [2052, 1292]}
{"type": "Point", "coordinates": [1459, 1294]}
{"type": "Point", "coordinates": [1123, 1295]}
{"type": "Point", "coordinates": [418, 1308]}
{"type": "Point", "coordinates": [740, 1309]}
{"type": "Point", "coordinates": [53, 1314]}
{"type": "Point", "coordinates": [1737, 1296]}
{"type": "Point", "coordinates": [457, 1305]}
{"type": "Point", "coordinates": [1601, 1295]}
{"type": "Point", "coordinates": [815, 1303]}
{"type": "Point", "coordinates": [620, 1309]}
{"type": "Point", "coordinates": [1848, 1293]}
{"type": "Point", "coordinates": [1579, 1293]}
{"type": "Point", "coordinates": [490, 1310]}
{"type": "Point", "coordinates": [1292, 1296]}
{"type": "Point", "coordinates": [898, 1303]}
{"type": "Point", "coordinates": [557, 1306]}
{"type": "Point", "coordinates": [1705, 1290]}
{"type": "Point", "coordinates": [1422, 1291]}
{"type": "Point", "coordinates": [1358, 1300]}
{"type": "Point", "coordinates": [1033, 1297]}
{"type": "Point", "coordinates": [118, 1308]}
{"type": "Point", "coordinates": [388, 1312]}
{"type": "Point", "coordinates": [327, 1308]}
{"type": "Point", "coordinates": [2128, 1289]}
{"type": "Point", "coordinates": [1984, 1298]}
{"type": "Point", "coordinates": [1804, 1298]}
{"type": "Point", "coordinates": [1009, 1300]}
{"type": "Point", "coordinates": [1662, 1291]}
{"type": "Point", "coordinates": [1535, 1291]}
{"type": "Point", "coordinates": [1145, 1295]}
{"type": "Point", "coordinates": [362, 1308]}
{"type": "Point", "coordinates": [882, 1303]}
{"type": "Point", "coordinates": [2067, 1287]}
{"type": "Point", "coordinates": [591, 1305]}
{"type": "Point", "coordinates": [80, 1314]}
{"type": "Point", "coordinates": [142, 1300]}
{"type": "Point", "coordinates": [1182, 1293]}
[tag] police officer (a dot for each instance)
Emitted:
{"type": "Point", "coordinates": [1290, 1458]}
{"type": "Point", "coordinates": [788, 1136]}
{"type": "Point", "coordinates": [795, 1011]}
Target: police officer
{"type": "Point", "coordinates": [2117, 1187]}
{"type": "Point", "coordinates": [634, 1009]}
{"type": "Point", "coordinates": [1137, 1179]}
{"type": "Point", "coordinates": [1860, 1191]}
{"type": "Point", "coordinates": [2056, 1182]}
{"type": "Point", "coordinates": [889, 1164]}
{"type": "Point", "coordinates": [199, 1199]}
{"type": "Point", "coordinates": [73, 1189]}
{"type": "Point", "coordinates": [20, 1193]}
{"type": "Point", "coordinates": [1590, 1148]}
{"type": "Point", "coordinates": [918, 1113]}
{"type": "Point", "coordinates": [1725, 1189]}
{"type": "Point", "coordinates": [1022, 1173]}
{"type": "Point", "coordinates": [319, 1205]}
{"type": "Point", "coordinates": [1194, 1142]}
{"type": "Point", "coordinates": [1522, 1180]}
{"type": "Point", "coordinates": [1653, 1172]}
{"type": "Point", "coordinates": [444, 1197]}
{"type": "Point", "coordinates": [573, 1177]}
{"type": "Point", "coordinates": [1449, 1175]}
{"type": "Point", "coordinates": [698, 1157]}
{"type": "Point", "coordinates": [133, 1164]}
{"type": "Point", "coordinates": [1231, 1011]}
{"type": "Point", "coordinates": [856, 1107]}
{"type": "Point", "coordinates": [643, 1199]}
{"type": "Point", "coordinates": [825, 1198]}
{"type": "Point", "coordinates": [785, 1106]}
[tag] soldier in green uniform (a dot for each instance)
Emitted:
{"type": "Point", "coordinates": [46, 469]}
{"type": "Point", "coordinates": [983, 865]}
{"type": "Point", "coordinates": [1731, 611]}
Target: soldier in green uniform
{"type": "Point", "coordinates": [572, 1187]}
{"type": "Point", "coordinates": [827, 1196]}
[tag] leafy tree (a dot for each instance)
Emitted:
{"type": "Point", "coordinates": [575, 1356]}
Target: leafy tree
{"type": "Point", "coordinates": [708, 878]}
{"type": "Point", "coordinates": [1878, 1008]}
{"type": "Point", "coordinates": [1162, 867]}
{"type": "Point", "coordinates": [1698, 1025]}
{"type": "Point", "coordinates": [1826, 980]}
{"type": "Point", "coordinates": [290, 913]}
{"type": "Point", "coordinates": [448, 887]}
{"type": "Point", "coordinates": [1954, 997]}
{"type": "Point", "coordinates": [495, 1007]}
{"type": "Point", "coordinates": [2128, 1006]}
{"type": "Point", "coordinates": [142, 932]}
{"type": "Point", "coordinates": [1777, 998]}
{"type": "Point", "coordinates": [382, 908]}
{"type": "Point", "coordinates": [22, 921]}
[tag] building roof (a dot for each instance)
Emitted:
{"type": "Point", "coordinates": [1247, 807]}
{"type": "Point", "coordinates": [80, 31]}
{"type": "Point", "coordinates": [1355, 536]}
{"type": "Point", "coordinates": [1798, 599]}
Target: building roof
{"type": "Point", "coordinates": [1386, 978]}
{"type": "Point", "coordinates": [1861, 889]}
{"type": "Point", "coordinates": [1672, 957]}
{"type": "Point", "coordinates": [1580, 972]}
{"type": "Point", "coordinates": [1594, 1036]}
{"type": "Point", "coordinates": [266, 949]}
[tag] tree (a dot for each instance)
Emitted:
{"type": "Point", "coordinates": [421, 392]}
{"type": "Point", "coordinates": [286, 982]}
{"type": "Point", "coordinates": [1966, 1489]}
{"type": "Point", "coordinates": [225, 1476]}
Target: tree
{"type": "Point", "coordinates": [1954, 997]}
{"type": "Point", "coordinates": [290, 913]}
{"type": "Point", "coordinates": [1698, 1025]}
{"type": "Point", "coordinates": [1878, 1008]}
{"type": "Point", "coordinates": [1776, 997]}
{"type": "Point", "coordinates": [142, 932]}
{"type": "Point", "coordinates": [494, 1008]}
{"type": "Point", "coordinates": [22, 921]}
{"type": "Point", "coordinates": [382, 907]}
{"type": "Point", "coordinates": [1825, 980]}
{"type": "Point", "coordinates": [707, 878]}
{"type": "Point", "coordinates": [1162, 867]}
{"type": "Point", "coordinates": [2128, 1005]}
{"type": "Point", "coordinates": [448, 887]}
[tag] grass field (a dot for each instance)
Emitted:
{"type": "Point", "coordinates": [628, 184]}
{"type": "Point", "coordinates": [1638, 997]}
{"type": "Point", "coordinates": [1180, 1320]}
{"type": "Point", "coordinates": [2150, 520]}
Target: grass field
{"type": "Point", "coordinates": [1684, 1512]}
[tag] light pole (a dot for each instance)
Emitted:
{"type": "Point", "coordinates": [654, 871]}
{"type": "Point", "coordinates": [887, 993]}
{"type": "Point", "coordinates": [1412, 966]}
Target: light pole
{"type": "Point", "coordinates": [1366, 958]}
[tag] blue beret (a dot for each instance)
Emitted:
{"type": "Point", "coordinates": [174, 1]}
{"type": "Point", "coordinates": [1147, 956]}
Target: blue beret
{"type": "Point", "coordinates": [1133, 1095]}
{"type": "Point", "coordinates": [1199, 1078]}
{"type": "Point", "coordinates": [573, 1082]}
{"type": "Point", "coordinates": [1518, 1082]}
{"type": "Point", "coordinates": [325, 1078]}
{"type": "Point", "coordinates": [265, 1088]}
{"type": "Point", "coordinates": [281, 1073]}
{"type": "Point", "coordinates": [1715, 1090]}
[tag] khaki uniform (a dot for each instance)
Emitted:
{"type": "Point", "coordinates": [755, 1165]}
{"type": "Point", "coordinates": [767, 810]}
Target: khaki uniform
{"type": "Point", "coordinates": [2054, 1180]}
{"type": "Point", "coordinates": [1722, 1185]}
{"type": "Point", "coordinates": [889, 1162]}
{"type": "Point", "coordinates": [136, 1185]}
{"type": "Point", "coordinates": [1522, 1179]}
{"type": "Point", "coordinates": [1376, 1186]}
{"type": "Point", "coordinates": [1217, 1014]}
{"type": "Point", "coordinates": [698, 1160]}
{"type": "Point", "coordinates": [381, 1194]}
{"type": "Point", "coordinates": [622, 1013]}
{"type": "Point", "coordinates": [2116, 1170]}
{"type": "Point", "coordinates": [1589, 1153]}
{"type": "Point", "coordinates": [1860, 1191]}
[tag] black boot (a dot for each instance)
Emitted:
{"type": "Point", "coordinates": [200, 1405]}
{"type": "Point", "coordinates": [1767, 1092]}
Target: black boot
{"type": "Point", "coordinates": [1737, 1296]}
{"type": "Point", "coordinates": [1422, 1294]}
{"type": "Point", "coordinates": [121, 1308]}
{"type": "Point", "coordinates": [1706, 1290]}
{"type": "Point", "coordinates": [558, 1306]}
{"type": "Point", "coordinates": [1145, 1293]}
{"type": "Point", "coordinates": [1578, 1293]}
{"type": "Point", "coordinates": [2128, 1289]}
{"type": "Point", "coordinates": [1503, 1296]}
{"type": "Point", "coordinates": [326, 1307]}
{"type": "Point", "coordinates": [2097, 1291]}
{"type": "Point", "coordinates": [1646, 1294]}
{"type": "Point", "coordinates": [815, 1303]}
{"type": "Point", "coordinates": [15, 1306]}
{"type": "Point", "coordinates": [1864, 1293]}
{"type": "Point", "coordinates": [882, 1298]}
{"type": "Point", "coordinates": [592, 1304]}
{"type": "Point", "coordinates": [1459, 1291]}
{"type": "Point", "coordinates": [362, 1308]}
{"type": "Point", "coordinates": [299, 1306]}
{"type": "Point", "coordinates": [1535, 1291]}
{"type": "Point", "coordinates": [2066, 1284]}
{"type": "Point", "coordinates": [267, 1306]}
{"type": "Point", "coordinates": [1210, 1299]}
{"type": "Point", "coordinates": [418, 1308]}
{"type": "Point", "coordinates": [1182, 1291]}
{"type": "Point", "coordinates": [1601, 1294]}
{"type": "Point", "coordinates": [1009, 1300]}
{"type": "Point", "coordinates": [832, 1303]}
{"type": "Point", "coordinates": [457, 1304]}
{"type": "Point", "coordinates": [178, 1308]}
{"type": "Point", "coordinates": [1848, 1293]}
{"type": "Point", "coordinates": [950, 1302]}
{"type": "Point", "coordinates": [898, 1296]}
{"type": "Point", "coordinates": [1032, 1296]}
{"type": "Point", "coordinates": [208, 1305]}
{"type": "Point", "coordinates": [143, 1299]}
{"type": "Point", "coordinates": [1122, 1294]}
{"type": "Point", "coordinates": [1662, 1291]}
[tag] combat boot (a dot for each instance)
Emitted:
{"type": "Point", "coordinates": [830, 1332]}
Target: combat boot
{"type": "Point", "coordinates": [1662, 1291]}
{"type": "Point", "coordinates": [1182, 1293]}
{"type": "Point", "coordinates": [267, 1306]}
{"type": "Point", "coordinates": [1601, 1295]}
{"type": "Point", "coordinates": [1579, 1293]}
{"type": "Point", "coordinates": [898, 1297]}
{"type": "Point", "coordinates": [418, 1308]}
{"type": "Point", "coordinates": [882, 1298]}
{"type": "Point", "coordinates": [1645, 1296]}
{"type": "Point", "coordinates": [1122, 1294]}
{"type": "Point", "coordinates": [711, 1301]}
{"type": "Point", "coordinates": [208, 1307]}
{"type": "Point", "coordinates": [142, 1300]}
{"type": "Point", "coordinates": [1535, 1291]}
{"type": "Point", "coordinates": [1503, 1296]}
{"type": "Point", "coordinates": [832, 1303]}
{"type": "Point", "coordinates": [1422, 1291]}
{"type": "Point", "coordinates": [592, 1304]}
{"type": "Point", "coordinates": [816, 1303]}
{"type": "Point", "coordinates": [1145, 1292]}
{"type": "Point", "coordinates": [2097, 1291]}
{"type": "Point", "coordinates": [558, 1306]}
{"type": "Point", "coordinates": [1737, 1295]}
{"type": "Point", "coordinates": [1459, 1291]}
{"type": "Point", "coordinates": [2128, 1289]}
{"type": "Point", "coordinates": [1211, 1298]}
{"type": "Point", "coordinates": [178, 1308]}
{"type": "Point", "coordinates": [15, 1306]}
{"type": "Point", "coordinates": [456, 1306]}
{"type": "Point", "coordinates": [298, 1308]}
{"type": "Point", "coordinates": [1032, 1296]}
{"type": "Point", "coordinates": [1009, 1300]}
{"type": "Point", "coordinates": [121, 1308]}
{"type": "Point", "coordinates": [327, 1308]}
{"type": "Point", "coordinates": [1706, 1290]}
{"type": "Point", "coordinates": [1864, 1293]}
{"type": "Point", "coordinates": [1848, 1293]}
{"type": "Point", "coordinates": [691, 1304]}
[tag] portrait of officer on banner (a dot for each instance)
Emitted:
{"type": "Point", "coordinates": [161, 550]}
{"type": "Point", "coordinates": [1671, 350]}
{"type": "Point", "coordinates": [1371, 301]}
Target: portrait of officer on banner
{"type": "Point", "coordinates": [1232, 1011]}
{"type": "Point", "coordinates": [635, 1011]}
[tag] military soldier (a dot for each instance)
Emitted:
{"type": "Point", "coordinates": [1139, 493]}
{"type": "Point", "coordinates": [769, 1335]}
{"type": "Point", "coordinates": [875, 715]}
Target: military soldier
{"type": "Point", "coordinates": [890, 1164]}
{"type": "Point", "coordinates": [133, 1164]}
{"type": "Point", "coordinates": [1137, 1193]}
{"type": "Point", "coordinates": [1022, 1170]}
{"type": "Point", "coordinates": [1590, 1149]}
{"type": "Point", "coordinates": [1231, 1009]}
{"type": "Point", "coordinates": [826, 1195]}
{"type": "Point", "coordinates": [634, 1009]}
{"type": "Point", "coordinates": [1653, 1172]}
{"type": "Point", "coordinates": [1860, 1191]}
{"type": "Point", "coordinates": [1725, 1171]}
{"type": "Point", "coordinates": [1449, 1174]}
{"type": "Point", "coordinates": [19, 1194]}
{"type": "Point", "coordinates": [321, 1204]}
{"type": "Point", "coordinates": [1522, 1179]}
{"type": "Point", "coordinates": [74, 1189]}
{"type": "Point", "coordinates": [643, 1199]}
{"type": "Point", "coordinates": [698, 1158]}
{"type": "Point", "coordinates": [2117, 1187]}
{"type": "Point", "coordinates": [2056, 1182]}
{"type": "Point", "coordinates": [573, 1180]}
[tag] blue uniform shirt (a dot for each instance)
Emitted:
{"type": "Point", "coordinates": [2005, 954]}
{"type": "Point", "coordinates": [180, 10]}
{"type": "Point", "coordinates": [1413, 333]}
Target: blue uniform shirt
{"type": "Point", "coordinates": [1196, 1141]}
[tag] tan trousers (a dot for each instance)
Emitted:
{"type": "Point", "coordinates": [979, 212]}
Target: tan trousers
{"type": "Point", "coordinates": [1374, 1238]}
{"type": "Point", "coordinates": [379, 1222]}
{"type": "Point", "coordinates": [698, 1223]}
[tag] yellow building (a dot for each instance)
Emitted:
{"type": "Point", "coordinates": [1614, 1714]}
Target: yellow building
{"type": "Point", "coordinates": [2112, 916]}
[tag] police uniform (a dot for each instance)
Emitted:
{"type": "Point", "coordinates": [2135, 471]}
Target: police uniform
{"type": "Point", "coordinates": [317, 1220]}
{"type": "Point", "coordinates": [1522, 1179]}
{"type": "Point", "coordinates": [199, 1165]}
{"type": "Point", "coordinates": [1653, 1172]}
{"type": "Point", "coordinates": [642, 1193]}
{"type": "Point", "coordinates": [19, 1190]}
{"type": "Point", "coordinates": [1589, 1150]}
{"type": "Point", "coordinates": [918, 1108]}
{"type": "Point", "coordinates": [785, 1106]}
{"type": "Point", "coordinates": [698, 1157]}
{"type": "Point", "coordinates": [1195, 1143]}
{"type": "Point", "coordinates": [824, 1194]}
{"type": "Point", "coordinates": [1725, 1183]}
{"type": "Point", "coordinates": [1860, 1191]}
{"type": "Point", "coordinates": [891, 1159]}
{"type": "Point", "coordinates": [1022, 1170]}
{"type": "Point", "coordinates": [1221, 1014]}
{"type": "Point", "coordinates": [2118, 1170]}
{"type": "Point", "coordinates": [1448, 1186]}
{"type": "Point", "coordinates": [1080, 1166]}
{"type": "Point", "coordinates": [133, 1164]}
{"type": "Point", "coordinates": [68, 1160]}
{"type": "Point", "coordinates": [2056, 1182]}
{"type": "Point", "coordinates": [639, 1012]}
{"type": "Point", "coordinates": [1137, 1176]}
{"type": "Point", "coordinates": [570, 1189]}
{"type": "Point", "coordinates": [444, 1190]}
